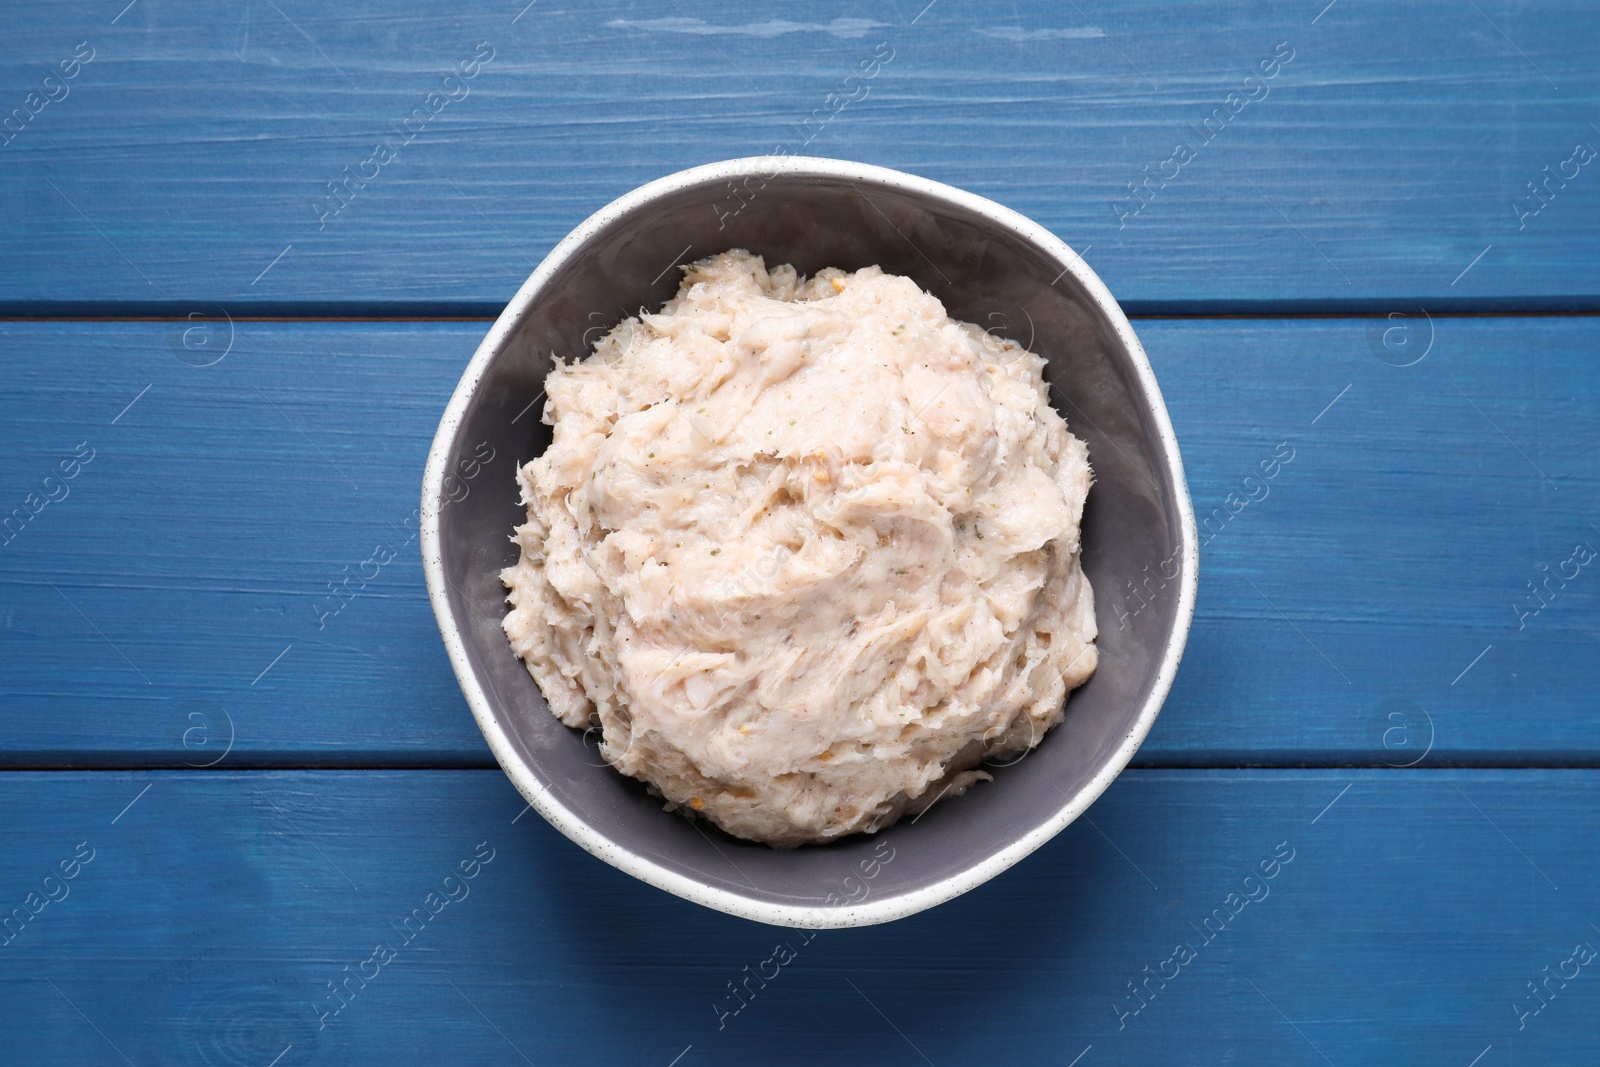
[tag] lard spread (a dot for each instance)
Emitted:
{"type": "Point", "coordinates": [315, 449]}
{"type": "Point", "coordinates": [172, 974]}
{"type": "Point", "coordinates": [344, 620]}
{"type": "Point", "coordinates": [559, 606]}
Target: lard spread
{"type": "Point", "coordinates": [804, 551]}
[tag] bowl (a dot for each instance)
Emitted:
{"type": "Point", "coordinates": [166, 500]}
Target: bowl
{"type": "Point", "coordinates": [990, 266]}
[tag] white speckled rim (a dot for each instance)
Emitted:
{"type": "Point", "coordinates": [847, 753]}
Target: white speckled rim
{"type": "Point", "coordinates": [570, 822]}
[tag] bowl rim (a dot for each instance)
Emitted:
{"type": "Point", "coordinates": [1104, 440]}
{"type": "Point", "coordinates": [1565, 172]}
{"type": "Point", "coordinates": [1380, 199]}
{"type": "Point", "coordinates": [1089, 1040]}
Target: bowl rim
{"type": "Point", "coordinates": [571, 822]}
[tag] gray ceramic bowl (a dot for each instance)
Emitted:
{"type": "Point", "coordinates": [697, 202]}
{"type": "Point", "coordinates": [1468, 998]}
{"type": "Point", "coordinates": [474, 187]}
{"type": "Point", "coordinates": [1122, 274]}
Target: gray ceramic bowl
{"type": "Point", "coordinates": [989, 266]}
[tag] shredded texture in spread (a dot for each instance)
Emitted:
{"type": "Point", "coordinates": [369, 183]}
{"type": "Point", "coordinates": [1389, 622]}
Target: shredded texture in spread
{"type": "Point", "coordinates": [805, 551]}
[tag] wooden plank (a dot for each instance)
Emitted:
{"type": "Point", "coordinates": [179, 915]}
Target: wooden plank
{"type": "Point", "coordinates": [172, 599]}
{"type": "Point", "coordinates": [188, 162]}
{"type": "Point", "coordinates": [182, 594]}
{"type": "Point", "coordinates": [1376, 603]}
{"type": "Point", "coordinates": [1405, 916]}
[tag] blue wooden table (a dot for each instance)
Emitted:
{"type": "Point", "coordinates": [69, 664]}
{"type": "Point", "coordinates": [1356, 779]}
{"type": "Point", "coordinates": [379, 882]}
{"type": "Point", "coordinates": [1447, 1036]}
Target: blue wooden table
{"type": "Point", "coordinates": [249, 247]}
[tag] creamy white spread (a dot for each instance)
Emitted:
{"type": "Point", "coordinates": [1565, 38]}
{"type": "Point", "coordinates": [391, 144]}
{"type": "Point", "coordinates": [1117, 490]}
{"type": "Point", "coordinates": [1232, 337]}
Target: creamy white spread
{"type": "Point", "coordinates": [805, 551]}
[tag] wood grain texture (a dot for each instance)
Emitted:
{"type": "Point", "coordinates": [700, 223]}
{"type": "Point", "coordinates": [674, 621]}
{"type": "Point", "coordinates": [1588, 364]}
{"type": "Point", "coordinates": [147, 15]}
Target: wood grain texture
{"type": "Point", "coordinates": [1402, 593]}
{"type": "Point", "coordinates": [217, 909]}
{"type": "Point", "coordinates": [1370, 171]}
{"type": "Point", "coordinates": [1341, 618]}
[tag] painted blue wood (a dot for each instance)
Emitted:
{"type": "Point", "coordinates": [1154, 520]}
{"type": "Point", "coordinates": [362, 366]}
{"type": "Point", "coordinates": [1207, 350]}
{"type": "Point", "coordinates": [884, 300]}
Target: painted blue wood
{"type": "Point", "coordinates": [1405, 916]}
{"type": "Point", "coordinates": [1387, 160]}
{"type": "Point", "coordinates": [209, 574]}
{"type": "Point", "coordinates": [1411, 589]}
{"type": "Point", "coordinates": [1368, 604]}
{"type": "Point", "coordinates": [1397, 589]}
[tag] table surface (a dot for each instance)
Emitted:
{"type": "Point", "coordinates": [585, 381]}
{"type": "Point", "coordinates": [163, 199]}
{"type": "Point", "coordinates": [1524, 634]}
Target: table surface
{"type": "Point", "coordinates": [250, 247]}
